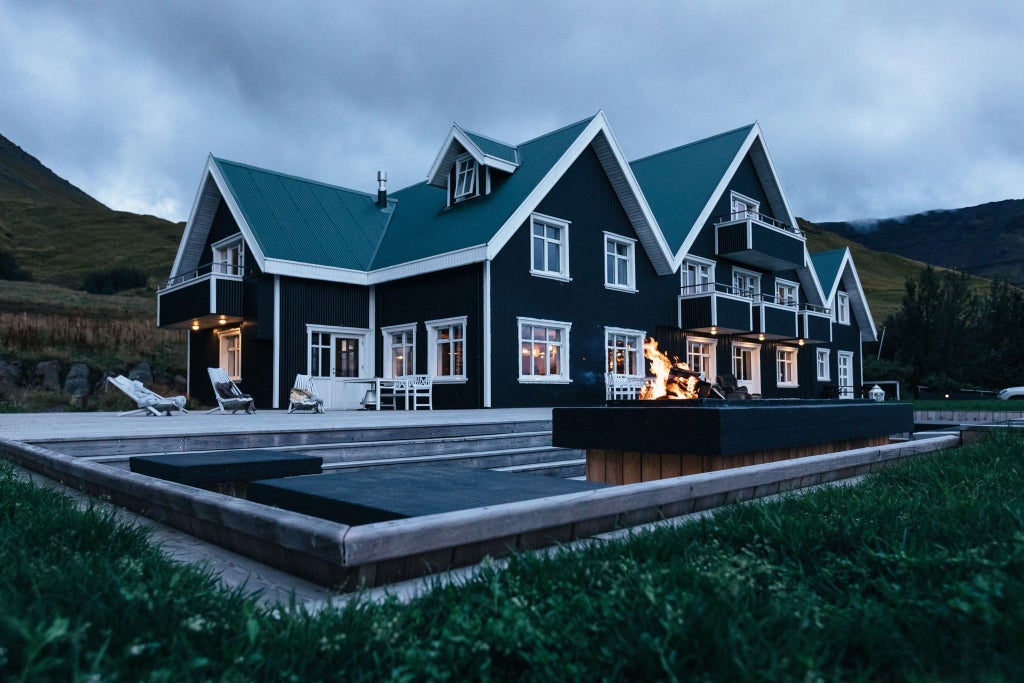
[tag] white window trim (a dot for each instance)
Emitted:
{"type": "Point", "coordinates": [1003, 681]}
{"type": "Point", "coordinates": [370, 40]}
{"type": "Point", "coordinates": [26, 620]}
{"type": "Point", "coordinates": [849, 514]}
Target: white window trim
{"type": "Point", "coordinates": [796, 368]}
{"type": "Point", "coordinates": [473, 189]}
{"type": "Point", "coordinates": [565, 376]}
{"type": "Point", "coordinates": [563, 225]}
{"type": "Point", "coordinates": [749, 273]}
{"type": "Point", "coordinates": [640, 335]}
{"type": "Point", "coordinates": [827, 354]}
{"type": "Point", "coordinates": [754, 384]}
{"type": "Point", "coordinates": [842, 308]}
{"type": "Point", "coordinates": [846, 392]}
{"type": "Point", "coordinates": [223, 335]}
{"type": "Point", "coordinates": [796, 292]}
{"type": "Point", "coordinates": [615, 238]}
{"type": "Point", "coordinates": [697, 261]}
{"type": "Point", "coordinates": [752, 204]}
{"type": "Point", "coordinates": [360, 333]}
{"type": "Point", "coordinates": [218, 256]}
{"type": "Point", "coordinates": [432, 327]}
{"type": "Point", "coordinates": [386, 332]}
{"type": "Point", "coordinates": [711, 374]}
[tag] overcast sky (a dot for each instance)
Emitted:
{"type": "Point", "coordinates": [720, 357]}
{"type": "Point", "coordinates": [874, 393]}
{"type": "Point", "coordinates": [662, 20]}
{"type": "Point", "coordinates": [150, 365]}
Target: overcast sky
{"type": "Point", "coordinates": [869, 109]}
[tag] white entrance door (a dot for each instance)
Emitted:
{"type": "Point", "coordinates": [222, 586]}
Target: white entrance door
{"type": "Point", "coordinates": [845, 376]}
{"type": "Point", "coordinates": [746, 365]}
{"type": "Point", "coordinates": [337, 356]}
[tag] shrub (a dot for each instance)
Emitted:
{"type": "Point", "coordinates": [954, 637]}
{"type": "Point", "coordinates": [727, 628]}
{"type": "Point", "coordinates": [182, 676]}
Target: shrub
{"type": "Point", "coordinates": [10, 270]}
{"type": "Point", "coordinates": [114, 280]}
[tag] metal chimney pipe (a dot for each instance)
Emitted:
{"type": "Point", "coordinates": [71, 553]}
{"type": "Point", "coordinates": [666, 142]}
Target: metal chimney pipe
{"type": "Point", "coordinates": [382, 189]}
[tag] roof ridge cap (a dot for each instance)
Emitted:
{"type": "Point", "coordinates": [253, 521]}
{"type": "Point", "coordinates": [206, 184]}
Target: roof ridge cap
{"type": "Point", "coordinates": [291, 176]}
{"type": "Point", "coordinates": [695, 142]}
{"type": "Point", "coordinates": [557, 130]}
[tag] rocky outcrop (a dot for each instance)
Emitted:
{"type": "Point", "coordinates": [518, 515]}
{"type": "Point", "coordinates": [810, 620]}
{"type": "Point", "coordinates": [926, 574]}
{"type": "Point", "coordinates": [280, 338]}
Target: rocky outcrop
{"type": "Point", "coordinates": [47, 375]}
{"type": "Point", "coordinates": [142, 373]}
{"type": "Point", "coordinates": [11, 373]}
{"type": "Point", "coordinates": [77, 381]}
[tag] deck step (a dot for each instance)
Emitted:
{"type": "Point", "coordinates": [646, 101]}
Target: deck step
{"type": "Point", "coordinates": [566, 469]}
{"type": "Point", "coordinates": [479, 460]}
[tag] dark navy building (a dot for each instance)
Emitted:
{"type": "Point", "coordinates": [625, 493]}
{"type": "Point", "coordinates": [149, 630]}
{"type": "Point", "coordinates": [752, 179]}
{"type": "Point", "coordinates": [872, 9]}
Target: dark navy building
{"type": "Point", "coordinates": [516, 275]}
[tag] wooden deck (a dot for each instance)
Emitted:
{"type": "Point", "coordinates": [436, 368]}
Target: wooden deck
{"type": "Point", "coordinates": [57, 426]}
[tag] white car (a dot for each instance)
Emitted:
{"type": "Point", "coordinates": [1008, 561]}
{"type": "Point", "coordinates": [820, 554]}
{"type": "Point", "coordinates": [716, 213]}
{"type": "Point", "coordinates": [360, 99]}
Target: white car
{"type": "Point", "coordinates": [1013, 393]}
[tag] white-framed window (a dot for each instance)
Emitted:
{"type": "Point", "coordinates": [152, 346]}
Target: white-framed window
{"type": "Point", "coordinates": [787, 293]}
{"type": "Point", "coordinates": [700, 356]}
{"type": "Point", "coordinates": [785, 366]}
{"type": "Point", "coordinates": [844, 365]}
{"type": "Point", "coordinates": [746, 366]}
{"type": "Point", "coordinates": [743, 207]}
{"type": "Point", "coordinates": [228, 256]}
{"type": "Point", "coordinates": [842, 308]}
{"type": "Point", "coordinates": [619, 262]}
{"type": "Point", "coordinates": [698, 275]}
{"type": "Point", "coordinates": [625, 351]}
{"type": "Point", "coordinates": [230, 342]}
{"type": "Point", "coordinates": [823, 356]}
{"type": "Point", "coordinates": [466, 176]}
{"type": "Point", "coordinates": [549, 247]}
{"type": "Point", "coordinates": [746, 282]}
{"type": "Point", "coordinates": [543, 350]}
{"type": "Point", "coordinates": [335, 351]}
{"type": "Point", "coordinates": [399, 350]}
{"type": "Point", "coordinates": [447, 342]}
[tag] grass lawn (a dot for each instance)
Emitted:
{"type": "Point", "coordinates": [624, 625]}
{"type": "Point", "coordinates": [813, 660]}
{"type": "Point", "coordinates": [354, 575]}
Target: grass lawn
{"type": "Point", "coordinates": [991, 406]}
{"type": "Point", "coordinates": [915, 574]}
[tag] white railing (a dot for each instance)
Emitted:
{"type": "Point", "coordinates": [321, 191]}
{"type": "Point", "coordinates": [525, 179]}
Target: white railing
{"type": "Point", "coordinates": [760, 218]}
{"type": "Point", "coordinates": [214, 268]}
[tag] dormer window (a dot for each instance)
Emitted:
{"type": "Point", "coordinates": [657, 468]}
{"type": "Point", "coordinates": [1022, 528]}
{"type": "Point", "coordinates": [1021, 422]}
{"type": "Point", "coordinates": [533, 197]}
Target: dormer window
{"type": "Point", "coordinates": [466, 178]}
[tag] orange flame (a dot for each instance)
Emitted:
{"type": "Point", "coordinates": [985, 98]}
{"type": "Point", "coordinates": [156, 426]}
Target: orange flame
{"type": "Point", "coordinates": [666, 384]}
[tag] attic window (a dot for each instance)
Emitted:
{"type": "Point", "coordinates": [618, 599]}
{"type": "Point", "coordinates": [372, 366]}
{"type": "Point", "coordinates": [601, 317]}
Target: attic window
{"type": "Point", "coordinates": [466, 177]}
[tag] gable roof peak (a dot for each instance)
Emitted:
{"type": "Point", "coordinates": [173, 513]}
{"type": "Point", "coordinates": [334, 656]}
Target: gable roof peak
{"type": "Point", "coordinates": [744, 129]}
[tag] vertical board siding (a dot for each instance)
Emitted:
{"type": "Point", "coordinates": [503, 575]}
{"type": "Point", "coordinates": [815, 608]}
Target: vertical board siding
{"type": "Point", "coordinates": [447, 294]}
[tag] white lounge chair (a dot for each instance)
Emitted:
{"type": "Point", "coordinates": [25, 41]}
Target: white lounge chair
{"type": "Point", "coordinates": [303, 396]}
{"type": "Point", "coordinates": [148, 402]}
{"type": "Point", "coordinates": [228, 395]}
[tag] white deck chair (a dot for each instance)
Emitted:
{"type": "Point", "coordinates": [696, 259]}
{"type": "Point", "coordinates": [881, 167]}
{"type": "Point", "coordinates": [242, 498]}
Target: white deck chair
{"type": "Point", "coordinates": [148, 402]}
{"type": "Point", "coordinates": [228, 395]}
{"type": "Point", "coordinates": [303, 396]}
{"type": "Point", "coordinates": [421, 392]}
{"type": "Point", "coordinates": [390, 389]}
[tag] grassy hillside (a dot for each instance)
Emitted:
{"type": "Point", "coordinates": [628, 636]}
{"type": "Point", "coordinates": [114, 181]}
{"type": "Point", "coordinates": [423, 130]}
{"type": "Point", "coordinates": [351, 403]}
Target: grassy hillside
{"type": "Point", "coordinates": [60, 234]}
{"type": "Point", "coordinates": [882, 275]}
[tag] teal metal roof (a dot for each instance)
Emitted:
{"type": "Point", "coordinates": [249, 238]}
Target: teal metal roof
{"type": "Point", "coordinates": [494, 148]}
{"type": "Point", "coordinates": [678, 183]}
{"type": "Point", "coordinates": [302, 220]}
{"type": "Point", "coordinates": [826, 265]}
{"type": "Point", "coordinates": [422, 226]}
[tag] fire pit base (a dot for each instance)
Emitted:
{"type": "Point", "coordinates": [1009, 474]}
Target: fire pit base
{"type": "Point", "coordinates": [632, 467]}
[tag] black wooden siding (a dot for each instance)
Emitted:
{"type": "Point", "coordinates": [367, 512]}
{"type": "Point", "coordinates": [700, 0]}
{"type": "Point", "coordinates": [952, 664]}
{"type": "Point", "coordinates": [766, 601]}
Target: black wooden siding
{"type": "Point", "coordinates": [434, 296]}
{"type": "Point", "coordinates": [584, 197]}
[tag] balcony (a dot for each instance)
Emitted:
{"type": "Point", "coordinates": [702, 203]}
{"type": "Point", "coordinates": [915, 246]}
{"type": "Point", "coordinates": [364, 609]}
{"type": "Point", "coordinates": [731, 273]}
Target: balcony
{"type": "Point", "coordinates": [714, 308]}
{"type": "Point", "coordinates": [774, 319]}
{"type": "Point", "coordinates": [815, 324]}
{"type": "Point", "coordinates": [208, 296]}
{"type": "Point", "coordinates": [760, 241]}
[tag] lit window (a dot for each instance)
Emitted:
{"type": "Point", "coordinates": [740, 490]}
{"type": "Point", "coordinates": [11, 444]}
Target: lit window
{"type": "Point", "coordinates": [400, 350]}
{"type": "Point", "coordinates": [624, 350]}
{"type": "Point", "coordinates": [823, 369]}
{"type": "Point", "coordinates": [448, 341]}
{"type": "Point", "coordinates": [231, 353]}
{"type": "Point", "coordinates": [228, 256]}
{"type": "Point", "coordinates": [465, 177]}
{"type": "Point", "coordinates": [335, 351]}
{"type": "Point", "coordinates": [842, 308]}
{"type": "Point", "coordinates": [544, 350]}
{"type": "Point", "coordinates": [698, 277]}
{"type": "Point", "coordinates": [787, 293]}
{"type": "Point", "coordinates": [549, 247]}
{"type": "Point", "coordinates": [700, 356]}
{"type": "Point", "coordinates": [785, 364]}
{"type": "Point", "coordinates": [619, 268]}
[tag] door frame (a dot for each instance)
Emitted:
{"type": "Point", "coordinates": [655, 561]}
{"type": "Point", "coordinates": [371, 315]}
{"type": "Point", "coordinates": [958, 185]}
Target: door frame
{"type": "Point", "coordinates": [335, 391]}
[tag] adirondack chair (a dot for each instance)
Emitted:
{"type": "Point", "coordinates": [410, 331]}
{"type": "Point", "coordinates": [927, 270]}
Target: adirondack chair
{"type": "Point", "coordinates": [228, 395]}
{"type": "Point", "coordinates": [303, 396]}
{"type": "Point", "coordinates": [148, 402]}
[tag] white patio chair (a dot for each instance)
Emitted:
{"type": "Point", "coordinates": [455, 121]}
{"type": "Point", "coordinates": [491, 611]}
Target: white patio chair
{"type": "Point", "coordinates": [421, 392]}
{"type": "Point", "coordinates": [390, 389]}
{"type": "Point", "coordinates": [303, 396]}
{"type": "Point", "coordinates": [623, 387]}
{"type": "Point", "coordinates": [148, 402]}
{"type": "Point", "coordinates": [228, 395]}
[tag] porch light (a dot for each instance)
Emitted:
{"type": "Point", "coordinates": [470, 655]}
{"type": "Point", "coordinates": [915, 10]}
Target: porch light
{"type": "Point", "coordinates": [195, 325]}
{"type": "Point", "coordinates": [800, 342]}
{"type": "Point", "coordinates": [760, 337]}
{"type": "Point", "coordinates": [714, 330]}
{"type": "Point", "coordinates": [223, 320]}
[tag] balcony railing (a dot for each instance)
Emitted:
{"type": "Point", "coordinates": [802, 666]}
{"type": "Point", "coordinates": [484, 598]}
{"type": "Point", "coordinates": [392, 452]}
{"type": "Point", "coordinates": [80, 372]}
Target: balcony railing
{"type": "Point", "coordinates": [212, 268]}
{"type": "Point", "coordinates": [711, 288]}
{"type": "Point", "coordinates": [759, 217]}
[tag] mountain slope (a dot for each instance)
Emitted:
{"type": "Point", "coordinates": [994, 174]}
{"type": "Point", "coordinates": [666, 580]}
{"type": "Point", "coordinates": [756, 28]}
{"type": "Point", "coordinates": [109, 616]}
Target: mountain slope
{"type": "Point", "coordinates": [985, 240]}
{"type": "Point", "coordinates": [60, 234]}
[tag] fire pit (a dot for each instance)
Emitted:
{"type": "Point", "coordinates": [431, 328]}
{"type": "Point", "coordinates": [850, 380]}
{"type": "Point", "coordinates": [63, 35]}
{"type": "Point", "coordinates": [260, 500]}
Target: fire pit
{"type": "Point", "coordinates": [633, 441]}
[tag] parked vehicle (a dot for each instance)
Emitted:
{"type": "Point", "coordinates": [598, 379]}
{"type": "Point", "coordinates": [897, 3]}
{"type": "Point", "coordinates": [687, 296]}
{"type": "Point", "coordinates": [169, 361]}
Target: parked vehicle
{"type": "Point", "coordinates": [1012, 393]}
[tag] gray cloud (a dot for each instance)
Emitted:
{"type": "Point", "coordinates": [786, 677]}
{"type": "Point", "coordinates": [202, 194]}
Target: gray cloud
{"type": "Point", "coordinates": [869, 109]}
